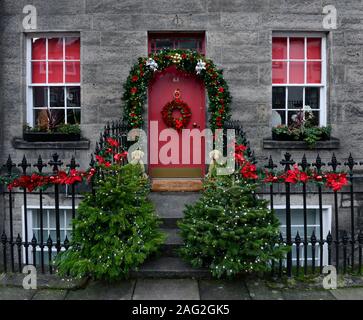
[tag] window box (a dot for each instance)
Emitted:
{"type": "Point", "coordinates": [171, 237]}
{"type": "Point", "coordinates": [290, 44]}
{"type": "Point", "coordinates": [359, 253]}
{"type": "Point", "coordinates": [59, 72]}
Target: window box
{"type": "Point", "coordinates": [332, 143]}
{"type": "Point", "coordinates": [50, 136]}
{"type": "Point", "coordinates": [82, 144]}
{"type": "Point", "coordinates": [288, 137]}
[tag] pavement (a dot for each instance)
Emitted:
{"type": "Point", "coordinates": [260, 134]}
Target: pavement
{"type": "Point", "coordinates": [51, 288]}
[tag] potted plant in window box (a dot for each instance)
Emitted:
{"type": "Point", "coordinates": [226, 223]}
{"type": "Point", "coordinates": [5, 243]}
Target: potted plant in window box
{"type": "Point", "coordinates": [302, 129]}
{"type": "Point", "coordinates": [51, 128]}
{"type": "Point", "coordinates": [63, 132]}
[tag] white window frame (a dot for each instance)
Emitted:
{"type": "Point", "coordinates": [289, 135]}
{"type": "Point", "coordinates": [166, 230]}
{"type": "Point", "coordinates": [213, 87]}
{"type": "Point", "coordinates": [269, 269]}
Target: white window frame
{"type": "Point", "coordinates": [326, 227]}
{"type": "Point", "coordinates": [322, 85]}
{"type": "Point", "coordinates": [29, 91]}
{"type": "Point", "coordinates": [30, 230]}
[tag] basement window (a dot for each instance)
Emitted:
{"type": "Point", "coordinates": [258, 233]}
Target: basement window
{"type": "Point", "coordinates": [313, 224]}
{"type": "Point", "coordinates": [49, 229]}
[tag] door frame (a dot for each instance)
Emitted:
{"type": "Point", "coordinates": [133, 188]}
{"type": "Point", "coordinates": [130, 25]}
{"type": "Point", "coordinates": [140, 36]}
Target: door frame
{"type": "Point", "coordinates": [152, 35]}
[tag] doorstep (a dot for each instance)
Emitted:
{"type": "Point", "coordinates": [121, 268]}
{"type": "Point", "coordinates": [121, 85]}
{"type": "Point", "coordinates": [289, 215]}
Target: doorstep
{"type": "Point", "coordinates": [176, 185]}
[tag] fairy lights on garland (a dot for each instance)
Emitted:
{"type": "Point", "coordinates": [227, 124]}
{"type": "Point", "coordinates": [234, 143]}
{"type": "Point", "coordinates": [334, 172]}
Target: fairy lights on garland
{"type": "Point", "coordinates": [37, 181]}
{"type": "Point", "coordinates": [191, 62]}
{"type": "Point", "coordinates": [332, 180]}
{"type": "Point", "coordinates": [110, 155]}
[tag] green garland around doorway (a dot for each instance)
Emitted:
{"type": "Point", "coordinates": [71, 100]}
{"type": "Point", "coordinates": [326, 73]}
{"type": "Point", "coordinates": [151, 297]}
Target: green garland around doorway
{"type": "Point", "coordinates": [135, 87]}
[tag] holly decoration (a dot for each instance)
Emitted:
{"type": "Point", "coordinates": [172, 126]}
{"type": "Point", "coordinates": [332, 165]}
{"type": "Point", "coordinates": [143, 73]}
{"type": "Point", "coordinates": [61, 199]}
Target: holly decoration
{"type": "Point", "coordinates": [178, 123]}
{"type": "Point", "coordinates": [191, 62]}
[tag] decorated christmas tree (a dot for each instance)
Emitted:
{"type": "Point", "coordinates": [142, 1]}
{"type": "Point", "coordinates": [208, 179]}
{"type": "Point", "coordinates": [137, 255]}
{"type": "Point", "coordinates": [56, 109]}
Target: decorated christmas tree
{"type": "Point", "coordinates": [230, 230]}
{"type": "Point", "coordinates": [115, 230]}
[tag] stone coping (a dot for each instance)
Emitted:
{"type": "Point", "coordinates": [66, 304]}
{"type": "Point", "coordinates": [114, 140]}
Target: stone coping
{"type": "Point", "coordinates": [269, 143]}
{"type": "Point", "coordinates": [83, 144]}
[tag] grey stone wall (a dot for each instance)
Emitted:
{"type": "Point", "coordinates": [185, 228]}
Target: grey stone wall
{"type": "Point", "coordinates": [238, 35]}
{"type": "Point", "coordinates": [114, 33]}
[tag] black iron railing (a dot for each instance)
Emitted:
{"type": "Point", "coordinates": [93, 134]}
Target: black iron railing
{"type": "Point", "coordinates": [339, 244]}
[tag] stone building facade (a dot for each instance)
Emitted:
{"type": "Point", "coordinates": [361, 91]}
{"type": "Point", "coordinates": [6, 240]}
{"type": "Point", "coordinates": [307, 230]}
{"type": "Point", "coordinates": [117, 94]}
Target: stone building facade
{"type": "Point", "coordinates": [238, 37]}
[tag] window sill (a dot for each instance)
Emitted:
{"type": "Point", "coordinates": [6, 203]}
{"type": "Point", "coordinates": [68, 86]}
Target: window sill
{"type": "Point", "coordinates": [22, 144]}
{"type": "Point", "coordinates": [269, 143]}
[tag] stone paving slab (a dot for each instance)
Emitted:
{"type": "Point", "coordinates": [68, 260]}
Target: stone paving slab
{"type": "Point", "coordinates": [259, 291]}
{"type": "Point", "coordinates": [48, 294]}
{"type": "Point", "coordinates": [7, 293]}
{"type": "Point", "coordinates": [223, 290]}
{"type": "Point", "coordinates": [44, 281]}
{"type": "Point", "coordinates": [307, 295]}
{"type": "Point", "coordinates": [166, 289]}
{"type": "Point", "coordinates": [98, 290]}
{"type": "Point", "coordinates": [182, 289]}
{"type": "Point", "coordinates": [348, 294]}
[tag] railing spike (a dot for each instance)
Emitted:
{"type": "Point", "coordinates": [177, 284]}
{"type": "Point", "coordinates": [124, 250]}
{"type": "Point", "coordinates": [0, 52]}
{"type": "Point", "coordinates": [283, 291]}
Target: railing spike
{"type": "Point", "coordinates": [18, 240]}
{"type": "Point", "coordinates": [10, 165]}
{"type": "Point", "coordinates": [318, 163]}
{"type": "Point", "coordinates": [313, 239]}
{"type": "Point", "coordinates": [73, 165]}
{"type": "Point", "coordinates": [304, 163]}
{"type": "Point", "coordinates": [24, 164]}
{"type": "Point", "coordinates": [297, 238]}
{"type": "Point", "coordinates": [55, 162]}
{"type": "Point", "coordinates": [350, 163]}
{"type": "Point", "coordinates": [40, 164]}
{"type": "Point", "coordinates": [334, 163]}
{"type": "Point", "coordinates": [287, 161]}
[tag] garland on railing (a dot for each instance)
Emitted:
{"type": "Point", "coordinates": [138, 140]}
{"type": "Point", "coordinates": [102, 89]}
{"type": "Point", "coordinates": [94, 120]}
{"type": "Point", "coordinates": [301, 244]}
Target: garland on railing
{"type": "Point", "coordinates": [111, 154]}
{"type": "Point", "coordinates": [333, 180]}
{"type": "Point", "coordinates": [37, 180]}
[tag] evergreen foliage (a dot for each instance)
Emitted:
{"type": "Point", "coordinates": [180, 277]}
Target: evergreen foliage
{"type": "Point", "coordinates": [115, 231]}
{"type": "Point", "coordinates": [229, 230]}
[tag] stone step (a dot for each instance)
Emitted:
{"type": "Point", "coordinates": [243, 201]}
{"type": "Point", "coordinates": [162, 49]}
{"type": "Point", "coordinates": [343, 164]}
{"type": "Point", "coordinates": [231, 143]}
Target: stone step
{"type": "Point", "coordinates": [169, 206]}
{"type": "Point", "coordinates": [180, 185]}
{"type": "Point", "coordinates": [170, 268]}
{"type": "Point", "coordinates": [172, 243]}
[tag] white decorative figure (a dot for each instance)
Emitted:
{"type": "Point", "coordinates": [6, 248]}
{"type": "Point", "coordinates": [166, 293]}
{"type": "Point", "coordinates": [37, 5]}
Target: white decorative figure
{"type": "Point", "coordinates": [214, 155]}
{"type": "Point", "coordinates": [136, 159]}
{"type": "Point", "coordinates": [200, 66]}
{"type": "Point", "coordinates": [151, 63]}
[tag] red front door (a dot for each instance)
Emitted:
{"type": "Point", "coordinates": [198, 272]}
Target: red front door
{"type": "Point", "coordinates": [169, 158]}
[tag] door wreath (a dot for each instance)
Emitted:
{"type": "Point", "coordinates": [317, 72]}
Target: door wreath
{"type": "Point", "coordinates": [180, 122]}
